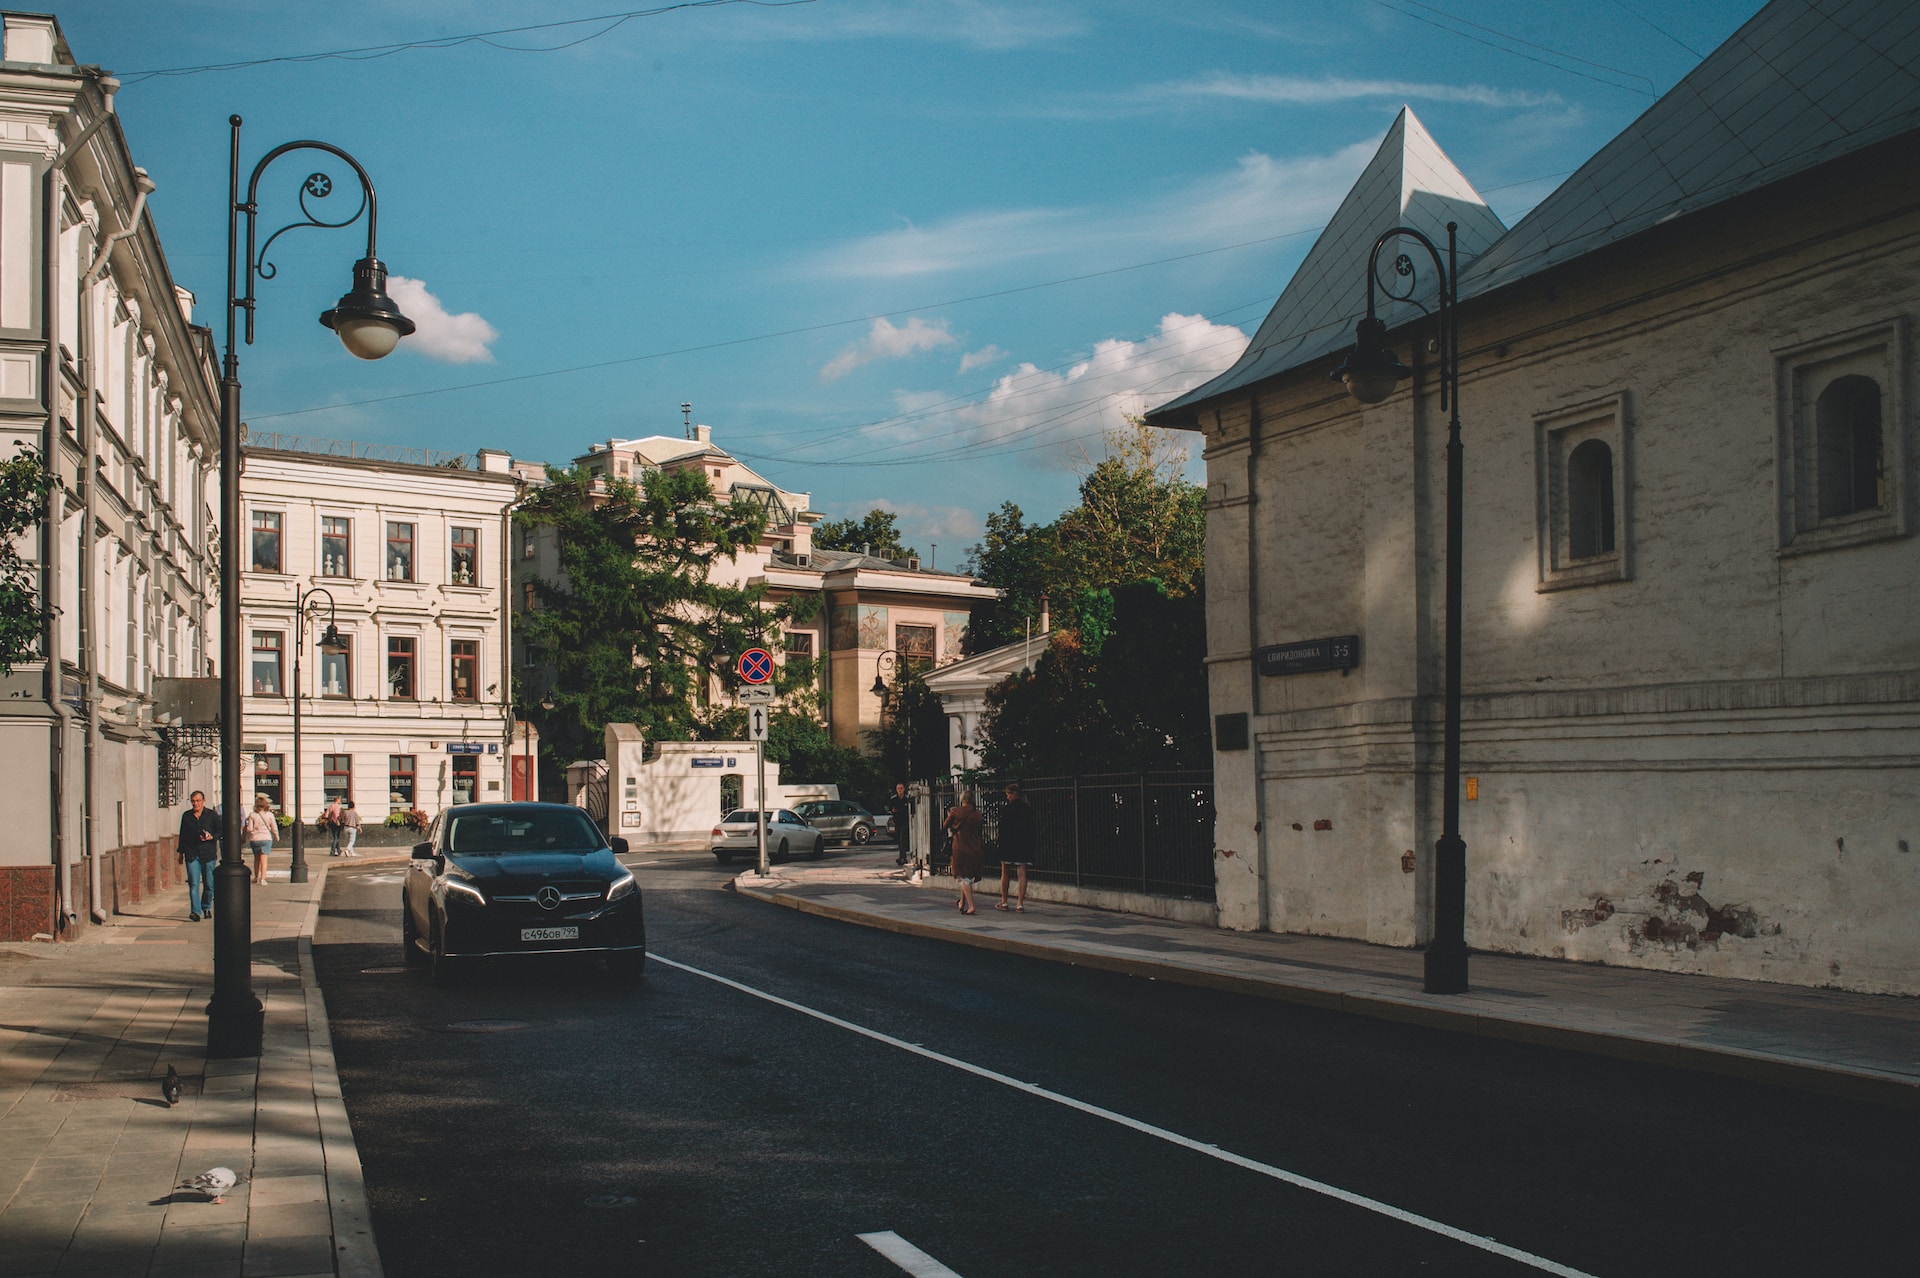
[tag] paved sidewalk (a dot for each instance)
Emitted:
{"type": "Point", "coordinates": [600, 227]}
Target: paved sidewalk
{"type": "Point", "coordinates": [1862, 1046]}
{"type": "Point", "coordinates": [90, 1154]}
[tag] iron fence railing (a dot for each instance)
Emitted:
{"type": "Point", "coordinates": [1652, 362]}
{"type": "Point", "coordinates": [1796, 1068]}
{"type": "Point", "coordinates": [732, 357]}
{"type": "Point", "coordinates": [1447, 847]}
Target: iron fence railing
{"type": "Point", "coordinates": [277, 442]}
{"type": "Point", "coordinates": [1149, 832]}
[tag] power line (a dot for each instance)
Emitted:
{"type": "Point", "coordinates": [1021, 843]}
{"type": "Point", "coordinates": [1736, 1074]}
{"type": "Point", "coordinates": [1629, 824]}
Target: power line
{"type": "Point", "coordinates": [367, 53]}
{"type": "Point", "coordinates": [1513, 39]}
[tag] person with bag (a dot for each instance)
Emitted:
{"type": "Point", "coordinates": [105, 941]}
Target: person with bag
{"type": "Point", "coordinates": [261, 827]}
{"type": "Point", "coordinates": [969, 852]}
{"type": "Point", "coordinates": [198, 847]}
{"type": "Point", "coordinates": [330, 819]}
{"type": "Point", "coordinates": [350, 827]}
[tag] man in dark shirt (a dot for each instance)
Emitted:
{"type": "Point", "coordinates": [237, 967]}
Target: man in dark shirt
{"type": "Point", "coordinates": [199, 847]}
{"type": "Point", "coordinates": [1016, 844]}
{"type": "Point", "coordinates": [900, 809]}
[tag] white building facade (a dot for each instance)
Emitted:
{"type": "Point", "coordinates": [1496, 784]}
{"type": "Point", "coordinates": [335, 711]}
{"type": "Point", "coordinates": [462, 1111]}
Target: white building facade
{"type": "Point", "coordinates": [409, 562]}
{"type": "Point", "coordinates": [1691, 644]}
{"type": "Point", "coordinates": [104, 373]}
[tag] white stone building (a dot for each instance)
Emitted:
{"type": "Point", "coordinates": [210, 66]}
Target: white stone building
{"type": "Point", "coordinates": [103, 371]}
{"type": "Point", "coordinates": [1691, 638]}
{"type": "Point", "coordinates": [416, 711]}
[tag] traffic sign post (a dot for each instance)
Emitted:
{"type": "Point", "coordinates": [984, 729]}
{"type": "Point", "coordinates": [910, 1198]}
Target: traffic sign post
{"type": "Point", "coordinates": [757, 728]}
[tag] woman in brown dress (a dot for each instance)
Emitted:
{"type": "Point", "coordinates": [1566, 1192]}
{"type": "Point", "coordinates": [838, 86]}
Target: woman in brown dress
{"type": "Point", "coordinates": [969, 852]}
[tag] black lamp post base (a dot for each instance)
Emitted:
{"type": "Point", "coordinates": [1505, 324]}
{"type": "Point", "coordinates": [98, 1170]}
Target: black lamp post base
{"type": "Point", "coordinates": [235, 1031]}
{"type": "Point", "coordinates": [1446, 969]}
{"type": "Point", "coordinates": [297, 867]}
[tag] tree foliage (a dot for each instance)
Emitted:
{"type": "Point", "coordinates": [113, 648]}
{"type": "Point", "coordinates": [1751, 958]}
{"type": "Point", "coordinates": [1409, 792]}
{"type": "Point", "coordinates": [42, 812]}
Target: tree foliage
{"type": "Point", "coordinates": [874, 532]}
{"type": "Point", "coordinates": [631, 631]}
{"type": "Point", "coordinates": [25, 483]}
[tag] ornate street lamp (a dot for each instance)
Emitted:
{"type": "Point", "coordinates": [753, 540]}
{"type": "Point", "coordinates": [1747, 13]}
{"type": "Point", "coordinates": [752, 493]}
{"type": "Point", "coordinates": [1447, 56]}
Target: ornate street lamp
{"type": "Point", "coordinates": [1370, 372]}
{"type": "Point", "coordinates": [331, 644]}
{"type": "Point", "coordinates": [369, 325]}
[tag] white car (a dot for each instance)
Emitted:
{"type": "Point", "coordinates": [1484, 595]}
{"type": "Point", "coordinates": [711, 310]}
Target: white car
{"type": "Point", "coordinates": [787, 835]}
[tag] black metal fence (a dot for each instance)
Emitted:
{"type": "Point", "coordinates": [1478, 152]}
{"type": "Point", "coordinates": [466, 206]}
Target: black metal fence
{"type": "Point", "coordinates": [1148, 832]}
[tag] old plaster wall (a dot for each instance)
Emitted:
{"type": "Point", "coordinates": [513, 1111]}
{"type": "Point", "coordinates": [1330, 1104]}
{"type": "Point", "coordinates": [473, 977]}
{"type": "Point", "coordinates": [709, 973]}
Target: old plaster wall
{"type": "Point", "coordinates": [1709, 763]}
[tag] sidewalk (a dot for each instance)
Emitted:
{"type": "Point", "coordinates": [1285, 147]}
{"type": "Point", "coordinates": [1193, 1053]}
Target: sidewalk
{"type": "Point", "coordinates": [90, 1154]}
{"type": "Point", "coordinates": [1862, 1046]}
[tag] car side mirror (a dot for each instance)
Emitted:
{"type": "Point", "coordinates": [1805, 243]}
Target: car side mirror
{"type": "Point", "coordinates": [423, 851]}
{"type": "Point", "coordinates": [619, 846]}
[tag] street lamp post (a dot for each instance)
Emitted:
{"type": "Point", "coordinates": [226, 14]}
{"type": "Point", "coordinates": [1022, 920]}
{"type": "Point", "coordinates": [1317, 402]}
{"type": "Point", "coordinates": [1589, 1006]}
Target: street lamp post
{"type": "Point", "coordinates": [1370, 372]}
{"type": "Point", "coordinates": [369, 325]}
{"type": "Point", "coordinates": [329, 643]}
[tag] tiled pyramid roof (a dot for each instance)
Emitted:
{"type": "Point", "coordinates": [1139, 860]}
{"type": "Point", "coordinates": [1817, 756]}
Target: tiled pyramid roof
{"type": "Point", "coordinates": [1409, 182]}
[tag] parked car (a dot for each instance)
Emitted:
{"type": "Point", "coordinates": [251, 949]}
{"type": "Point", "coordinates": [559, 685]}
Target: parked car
{"type": "Point", "coordinates": [839, 820]}
{"type": "Point", "coordinates": [497, 879]}
{"type": "Point", "coordinates": [787, 835]}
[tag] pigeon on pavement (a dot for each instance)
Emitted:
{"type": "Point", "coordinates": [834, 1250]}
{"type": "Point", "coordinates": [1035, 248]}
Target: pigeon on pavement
{"type": "Point", "coordinates": [170, 1086]}
{"type": "Point", "coordinates": [214, 1183]}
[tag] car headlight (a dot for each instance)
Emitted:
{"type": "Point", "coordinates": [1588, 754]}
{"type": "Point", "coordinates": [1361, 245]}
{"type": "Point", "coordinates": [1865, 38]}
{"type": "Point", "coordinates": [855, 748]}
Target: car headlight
{"type": "Point", "coordinates": [459, 891]}
{"type": "Point", "coordinates": [621, 887]}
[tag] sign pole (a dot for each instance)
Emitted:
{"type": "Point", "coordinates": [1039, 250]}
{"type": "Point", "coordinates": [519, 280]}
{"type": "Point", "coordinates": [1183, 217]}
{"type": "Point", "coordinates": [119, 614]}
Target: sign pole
{"type": "Point", "coordinates": [760, 823]}
{"type": "Point", "coordinates": [755, 669]}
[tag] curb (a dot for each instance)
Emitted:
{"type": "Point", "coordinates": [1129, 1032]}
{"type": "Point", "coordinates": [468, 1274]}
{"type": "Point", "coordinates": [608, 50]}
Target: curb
{"type": "Point", "coordinates": [355, 1253]}
{"type": "Point", "coordinates": [1872, 1087]}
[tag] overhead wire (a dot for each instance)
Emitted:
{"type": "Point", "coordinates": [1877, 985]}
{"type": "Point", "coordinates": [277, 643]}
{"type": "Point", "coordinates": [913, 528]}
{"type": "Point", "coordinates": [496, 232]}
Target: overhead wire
{"type": "Point", "coordinates": [1394, 6]}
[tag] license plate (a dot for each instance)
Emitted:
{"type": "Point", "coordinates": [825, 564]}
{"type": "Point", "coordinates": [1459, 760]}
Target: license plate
{"type": "Point", "coordinates": [549, 933]}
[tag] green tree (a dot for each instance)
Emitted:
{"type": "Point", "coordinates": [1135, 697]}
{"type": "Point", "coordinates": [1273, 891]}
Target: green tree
{"type": "Point", "coordinates": [875, 529]}
{"type": "Point", "coordinates": [25, 483]}
{"type": "Point", "coordinates": [911, 742]}
{"type": "Point", "coordinates": [636, 623]}
{"type": "Point", "coordinates": [1019, 559]}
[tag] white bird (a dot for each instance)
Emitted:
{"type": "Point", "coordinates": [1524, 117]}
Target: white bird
{"type": "Point", "coordinates": [214, 1183]}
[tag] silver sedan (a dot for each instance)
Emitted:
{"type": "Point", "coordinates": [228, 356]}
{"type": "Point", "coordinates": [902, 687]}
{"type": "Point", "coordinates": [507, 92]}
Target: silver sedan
{"type": "Point", "coordinates": [787, 835]}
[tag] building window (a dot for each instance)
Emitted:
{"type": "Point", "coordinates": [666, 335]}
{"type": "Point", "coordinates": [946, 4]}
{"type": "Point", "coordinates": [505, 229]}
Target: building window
{"type": "Point", "coordinates": [800, 644]}
{"type": "Point", "coordinates": [399, 552]}
{"type": "Point", "coordinates": [336, 546]}
{"type": "Point", "coordinates": [1851, 452]}
{"type": "Point", "coordinates": [466, 778]}
{"type": "Point", "coordinates": [266, 541]}
{"type": "Point", "coordinates": [400, 668]}
{"type": "Point", "coordinates": [526, 543]}
{"type": "Point", "coordinates": [1582, 523]}
{"type": "Point", "coordinates": [269, 773]}
{"type": "Point", "coordinates": [464, 657]}
{"type": "Point", "coordinates": [336, 670]}
{"type": "Point", "coordinates": [336, 776]}
{"type": "Point", "coordinates": [529, 597]}
{"type": "Point", "coordinates": [1590, 500]}
{"type": "Point", "coordinates": [266, 663]}
{"type": "Point", "coordinates": [915, 644]}
{"type": "Point", "coordinates": [466, 555]}
{"type": "Point", "coordinates": [400, 782]}
{"type": "Point", "coordinates": [1843, 439]}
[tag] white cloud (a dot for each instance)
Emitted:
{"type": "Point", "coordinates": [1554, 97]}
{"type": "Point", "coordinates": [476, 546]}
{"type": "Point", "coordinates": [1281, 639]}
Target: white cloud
{"type": "Point", "coordinates": [1259, 194]}
{"type": "Point", "coordinates": [452, 339]}
{"type": "Point", "coordinates": [888, 341]}
{"type": "Point", "coordinates": [980, 24]}
{"type": "Point", "coordinates": [981, 358]}
{"type": "Point", "coordinates": [1043, 407]}
{"type": "Point", "coordinates": [1301, 91]}
{"type": "Point", "coordinates": [923, 525]}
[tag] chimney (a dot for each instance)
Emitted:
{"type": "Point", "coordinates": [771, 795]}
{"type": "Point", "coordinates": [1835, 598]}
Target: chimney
{"type": "Point", "coordinates": [703, 434]}
{"type": "Point", "coordinates": [913, 562]}
{"type": "Point", "coordinates": [1046, 623]}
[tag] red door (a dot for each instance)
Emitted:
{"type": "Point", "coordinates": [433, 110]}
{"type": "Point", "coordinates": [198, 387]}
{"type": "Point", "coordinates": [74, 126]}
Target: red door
{"type": "Point", "coordinates": [522, 791]}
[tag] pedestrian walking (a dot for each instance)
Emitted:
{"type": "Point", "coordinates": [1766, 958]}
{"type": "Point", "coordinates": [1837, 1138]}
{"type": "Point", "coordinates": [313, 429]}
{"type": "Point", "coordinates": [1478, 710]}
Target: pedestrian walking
{"type": "Point", "coordinates": [966, 823]}
{"type": "Point", "coordinates": [198, 847]}
{"type": "Point", "coordinates": [350, 828]}
{"type": "Point", "coordinates": [900, 814]}
{"type": "Point", "coordinates": [330, 818]}
{"type": "Point", "coordinates": [1016, 845]}
{"type": "Point", "coordinates": [261, 828]}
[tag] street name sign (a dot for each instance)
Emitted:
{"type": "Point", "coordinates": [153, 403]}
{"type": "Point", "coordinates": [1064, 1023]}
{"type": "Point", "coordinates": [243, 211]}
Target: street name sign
{"type": "Point", "coordinates": [1341, 652]}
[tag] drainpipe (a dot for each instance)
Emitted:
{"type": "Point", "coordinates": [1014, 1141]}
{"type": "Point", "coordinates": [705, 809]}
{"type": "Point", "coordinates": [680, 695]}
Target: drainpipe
{"type": "Point", "coordinates": [1263, 873]}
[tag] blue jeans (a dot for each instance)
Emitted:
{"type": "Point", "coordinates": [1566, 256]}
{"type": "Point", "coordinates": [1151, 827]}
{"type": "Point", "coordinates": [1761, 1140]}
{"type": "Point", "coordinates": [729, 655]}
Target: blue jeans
{"type": "Point", "coordinates": [199, 886]}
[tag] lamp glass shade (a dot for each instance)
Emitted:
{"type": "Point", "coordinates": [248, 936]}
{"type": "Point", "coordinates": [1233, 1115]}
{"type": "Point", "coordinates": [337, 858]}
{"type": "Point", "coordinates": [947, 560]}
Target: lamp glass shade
{"type": "Point", "coordinates": [879, 688]}
{"type": "Point", "coordinates": [369, 323]}
{"type": "Point", "coordinates": [331, 643]}
{"type": "Point", "coordinates": [546, 703]}
{"type": "Point", "coordinates": [1371, 371]}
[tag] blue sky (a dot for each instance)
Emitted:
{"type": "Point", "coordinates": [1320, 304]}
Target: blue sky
{"type": "Point", "coordinates": [908, 253]}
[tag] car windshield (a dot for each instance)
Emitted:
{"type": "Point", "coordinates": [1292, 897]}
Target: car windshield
{"type": "Point", "coordinates": [503, 832]}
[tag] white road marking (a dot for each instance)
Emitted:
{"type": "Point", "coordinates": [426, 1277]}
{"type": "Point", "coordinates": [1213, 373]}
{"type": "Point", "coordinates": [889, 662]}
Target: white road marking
{"type": "Point", "coordinates": [905, 1254]}
{"type": "Point", "coordinates": [1479, 1241]}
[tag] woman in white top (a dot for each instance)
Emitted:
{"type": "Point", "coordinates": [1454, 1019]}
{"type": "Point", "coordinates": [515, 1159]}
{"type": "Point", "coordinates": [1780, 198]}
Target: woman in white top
{"type": "Point", "coordinates": [261, 828]}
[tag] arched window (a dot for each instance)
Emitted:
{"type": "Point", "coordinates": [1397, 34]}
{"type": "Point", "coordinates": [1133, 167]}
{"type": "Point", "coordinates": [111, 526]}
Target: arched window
{"type": "Point", "coordinates": [1849, 446]}
{"type": "Point", "coordinates": [1590, 500]}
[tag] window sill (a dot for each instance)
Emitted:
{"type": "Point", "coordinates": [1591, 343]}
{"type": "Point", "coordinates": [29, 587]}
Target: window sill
{"type": "Point", "coordinates": [1847, 530]}
{"type": "Point", "coordinates": [1584, 572]}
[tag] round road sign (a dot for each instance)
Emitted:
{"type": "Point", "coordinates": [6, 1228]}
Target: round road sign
{"type": "Point", "coordinates": [756, 665]}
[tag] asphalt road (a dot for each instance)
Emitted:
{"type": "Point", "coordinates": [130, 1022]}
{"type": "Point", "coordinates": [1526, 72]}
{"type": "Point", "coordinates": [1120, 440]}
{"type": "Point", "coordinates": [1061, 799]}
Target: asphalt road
{"type": "Point", "coordinates": [686, 1126]}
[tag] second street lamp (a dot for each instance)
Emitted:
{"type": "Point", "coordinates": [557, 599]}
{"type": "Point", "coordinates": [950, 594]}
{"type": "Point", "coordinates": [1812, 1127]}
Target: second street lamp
{"type": "Point", "coordinates": [331, 644]}
{"type": "Point", "coordinates": [1370, 373]}
{"type": "Point", "coordinates": [235, 1018]}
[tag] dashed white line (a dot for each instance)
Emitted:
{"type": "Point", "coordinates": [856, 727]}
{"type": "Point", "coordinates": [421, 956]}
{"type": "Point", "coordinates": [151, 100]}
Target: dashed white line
{"type": "Point", "coordinates": [1479, 1241]}
{"type": "Point", "coordinates": [905, 1254]}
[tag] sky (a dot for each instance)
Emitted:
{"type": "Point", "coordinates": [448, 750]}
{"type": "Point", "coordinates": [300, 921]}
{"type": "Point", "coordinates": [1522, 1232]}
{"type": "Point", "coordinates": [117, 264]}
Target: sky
{"type": "Point", "coordinates": [910, 254]}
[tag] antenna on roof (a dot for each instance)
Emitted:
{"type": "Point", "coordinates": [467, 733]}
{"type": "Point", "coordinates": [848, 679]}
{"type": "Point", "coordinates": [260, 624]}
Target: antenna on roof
{"type": "Point", "coordinates": [686, 413]}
